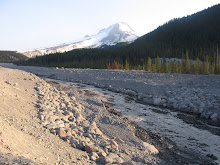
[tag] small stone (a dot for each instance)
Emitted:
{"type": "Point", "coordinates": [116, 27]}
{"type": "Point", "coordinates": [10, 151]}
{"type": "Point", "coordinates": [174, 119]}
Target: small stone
{"type": "Point", "coordinates": [81, 145]}
{"type": "Point", "coordinates": [61, 132]}
{"type": "Point", "coordinates": [214, 117]}
{"type": "Point", "coordinates": [16, 84]}
{"type": "Point", "coordinates": [90, 149]}
{"type": "Point", "coordinates": [120, 140]}
{"type": "Point", "coordinates": [86, 156]}
{"type": "Point", "coordinates": [113, 159]}
{"type": "Point", "coordinates": [148, 100]}
{"type": "Point", "coordinates": [41, 117]}
{"type": "Point", "coordinates": [102, 154]}
{"type": "Point", "coordinates": [68, 139]}
{"type": "Point", "coordinates": [114, 145]}
{"type": "Point", "coordinates": [98, 132]}
{"type": "Point", "coordinates": [150, 149]}
{"type": "Point", "coordinates": [93, 124]}
{"type": "Point", "coordinates": [93, 156]}
{"type": "Point", "coordinates": [156, 101]}
{"type": "Point", "coordinates": [50, 126]}
{"type": "Point", "coordinates": [71, 118]}
{"type": "Point", "coordinates": [7, 82]}
{"type": "Point", "coordinates": [74, 142]}
{"type": "Point", "coordinates": [213, 157]}
{"type": "Point", "coordinates": [87, 135]}
{"type": "Point", "coordinates": [204, 115]}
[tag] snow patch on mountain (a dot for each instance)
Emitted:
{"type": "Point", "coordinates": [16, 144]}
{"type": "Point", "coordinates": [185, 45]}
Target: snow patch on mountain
{"type": "Point", "coordinates": [116, 33]}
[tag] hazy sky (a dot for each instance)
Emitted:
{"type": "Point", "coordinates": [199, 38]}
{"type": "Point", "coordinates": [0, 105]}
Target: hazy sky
{"type": "Point", "coordinates": [30, 24]}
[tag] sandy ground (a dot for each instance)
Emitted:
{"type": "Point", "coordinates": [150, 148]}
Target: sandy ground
{"type": "Point", "coordinates": [27, 138]}
{"type": "Point", "coordinates": [22, 137]}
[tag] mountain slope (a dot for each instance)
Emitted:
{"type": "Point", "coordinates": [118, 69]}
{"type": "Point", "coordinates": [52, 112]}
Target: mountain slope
{"type": "Point", "coordinates": [198, 34]}
{"type": "Point", "coordinates": [117, 33]}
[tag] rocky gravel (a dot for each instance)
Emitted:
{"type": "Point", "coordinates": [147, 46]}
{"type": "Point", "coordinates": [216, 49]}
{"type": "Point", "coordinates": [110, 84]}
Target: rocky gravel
{"type": "Point", "coordinates": [134, 142]}
{"type": "Point", "coordinates": [196, 94]}
{"type": "Point", "coordinates": [62, 115]}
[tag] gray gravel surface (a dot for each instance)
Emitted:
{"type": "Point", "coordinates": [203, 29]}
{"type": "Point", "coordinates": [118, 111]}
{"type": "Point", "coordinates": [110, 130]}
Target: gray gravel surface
{"type": "Point", "coordinates": [197, 94]}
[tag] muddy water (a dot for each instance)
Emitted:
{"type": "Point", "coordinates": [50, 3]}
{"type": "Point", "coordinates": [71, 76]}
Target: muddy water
{"type": "Point", "coordinates": [163, 121]}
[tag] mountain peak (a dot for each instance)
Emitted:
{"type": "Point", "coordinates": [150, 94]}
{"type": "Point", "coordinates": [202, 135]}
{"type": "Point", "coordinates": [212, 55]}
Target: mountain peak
{"type": "Point", "coordinates": [116, 33]}
{"type": "Point", "coordinates": [125, 27]}
{"type": "Point", "coordinates": [120, 26]}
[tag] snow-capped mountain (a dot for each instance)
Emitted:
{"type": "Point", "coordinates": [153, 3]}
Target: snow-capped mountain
{"type": "Point", "coordinates": [119, 32]}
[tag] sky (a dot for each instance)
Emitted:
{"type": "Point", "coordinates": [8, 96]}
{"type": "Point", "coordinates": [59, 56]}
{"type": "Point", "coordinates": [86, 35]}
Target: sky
{"type": "Point", "coordinates": [32, 24]}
